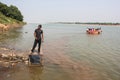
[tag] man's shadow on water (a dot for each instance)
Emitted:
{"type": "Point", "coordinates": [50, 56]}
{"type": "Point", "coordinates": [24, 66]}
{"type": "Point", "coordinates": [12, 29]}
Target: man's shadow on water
{"type": "Point", "coordinates": [35, 72]}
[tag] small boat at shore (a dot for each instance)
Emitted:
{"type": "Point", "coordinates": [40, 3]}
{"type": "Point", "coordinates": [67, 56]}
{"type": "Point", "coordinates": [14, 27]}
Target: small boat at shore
{"type": "Point", "coordinates": [93, 30]}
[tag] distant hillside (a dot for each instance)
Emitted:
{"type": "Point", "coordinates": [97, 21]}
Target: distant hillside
{"type": "Point", "coordinates": [98, 23]}
{"type": "Point", "coordinates": [89, 23]}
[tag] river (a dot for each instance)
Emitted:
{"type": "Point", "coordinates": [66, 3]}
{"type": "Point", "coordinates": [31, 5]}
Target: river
{"type": "Point", "coordinates": [69, 53]}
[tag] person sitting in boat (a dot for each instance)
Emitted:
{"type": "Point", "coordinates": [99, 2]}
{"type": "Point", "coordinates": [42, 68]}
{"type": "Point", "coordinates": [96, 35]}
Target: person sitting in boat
{"type": "Point", "coordinates": [98, 29]}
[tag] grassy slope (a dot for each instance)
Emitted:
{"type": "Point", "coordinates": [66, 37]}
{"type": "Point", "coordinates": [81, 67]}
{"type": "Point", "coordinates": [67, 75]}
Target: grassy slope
{"type": "Point", "coordinates": [7, 20]}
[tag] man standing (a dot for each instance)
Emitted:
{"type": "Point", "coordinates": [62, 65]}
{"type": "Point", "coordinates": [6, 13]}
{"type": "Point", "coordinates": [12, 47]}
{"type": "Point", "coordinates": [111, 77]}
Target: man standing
{"type": "Point", "coordinates": [38, 34]}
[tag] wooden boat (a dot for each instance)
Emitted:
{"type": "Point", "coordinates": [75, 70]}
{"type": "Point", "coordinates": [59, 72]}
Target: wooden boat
{"type": "Point", "coordinates": [93, 30]}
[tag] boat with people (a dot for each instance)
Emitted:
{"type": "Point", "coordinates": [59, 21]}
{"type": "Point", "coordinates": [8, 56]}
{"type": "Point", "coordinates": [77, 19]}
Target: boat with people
{"type": "Point", "coordinates": [93, 30]}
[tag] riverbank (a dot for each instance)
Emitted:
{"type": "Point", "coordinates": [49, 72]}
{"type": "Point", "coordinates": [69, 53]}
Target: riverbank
{"type": "Point", "coordinates": [6, 23]}
{"type": "Point", "coordinates": [5, 27]}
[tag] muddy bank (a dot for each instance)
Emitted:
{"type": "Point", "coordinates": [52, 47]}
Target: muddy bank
{"type": "Point", "coordinates": [5, 27]}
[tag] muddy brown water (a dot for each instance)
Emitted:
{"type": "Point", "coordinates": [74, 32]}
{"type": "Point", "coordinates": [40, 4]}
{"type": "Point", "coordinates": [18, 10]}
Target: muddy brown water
{"type": "Point", "coordinates": [69, 53]}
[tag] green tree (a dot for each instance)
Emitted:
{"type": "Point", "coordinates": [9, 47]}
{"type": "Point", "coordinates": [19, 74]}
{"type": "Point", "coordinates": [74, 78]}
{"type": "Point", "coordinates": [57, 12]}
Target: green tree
{"type": "Point", "coordinates": [4, 8]}
{"type": "Point", "coordinates": [12, 11]}
{"type": "Point", "coordinates": [15, 13]}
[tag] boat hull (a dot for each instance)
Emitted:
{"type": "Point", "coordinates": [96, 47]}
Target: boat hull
{"type": "Point", "coordinates": [93, 32]}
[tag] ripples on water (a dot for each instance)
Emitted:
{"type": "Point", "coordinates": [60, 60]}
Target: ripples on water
{"type": "Point", "coordinates": [71, 53]}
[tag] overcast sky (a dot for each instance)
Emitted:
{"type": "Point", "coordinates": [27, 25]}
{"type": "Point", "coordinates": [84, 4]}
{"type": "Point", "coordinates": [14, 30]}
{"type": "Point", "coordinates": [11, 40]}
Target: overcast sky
{"type": "Point", "coordinates": [43, 11]}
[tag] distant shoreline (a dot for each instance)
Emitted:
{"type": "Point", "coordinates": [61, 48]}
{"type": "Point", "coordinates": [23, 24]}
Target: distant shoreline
{"type": "Point", "coordinates": [91, 23]}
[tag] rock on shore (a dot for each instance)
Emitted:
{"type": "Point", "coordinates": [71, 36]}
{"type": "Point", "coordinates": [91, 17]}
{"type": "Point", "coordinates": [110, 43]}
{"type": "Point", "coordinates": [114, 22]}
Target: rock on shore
{"type": "Point", "coordinates": [9, 57]}
{"type": "Point", "coordinates": [3, 27]}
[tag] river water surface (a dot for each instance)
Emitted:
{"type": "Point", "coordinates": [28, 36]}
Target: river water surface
{"type": "Point", "coordinates": [69, 53]}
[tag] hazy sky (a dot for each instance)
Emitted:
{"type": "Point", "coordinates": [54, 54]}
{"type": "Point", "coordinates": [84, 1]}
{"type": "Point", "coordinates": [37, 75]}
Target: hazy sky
{"type": "Point", "coordinates": [42, 11]}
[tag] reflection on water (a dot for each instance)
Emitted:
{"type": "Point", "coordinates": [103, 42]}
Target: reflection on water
{"type": "Point", "coordinates": [69, 53]}
{"type": "Point", "coordinates": [12, 34]}
{"type": "Point", "coordinates": [35, 73]}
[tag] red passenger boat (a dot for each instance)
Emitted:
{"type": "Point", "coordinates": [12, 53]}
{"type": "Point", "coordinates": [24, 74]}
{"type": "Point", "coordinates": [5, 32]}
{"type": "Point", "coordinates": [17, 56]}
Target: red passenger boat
{"type": "Point", "coordinates": [94, 30]}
